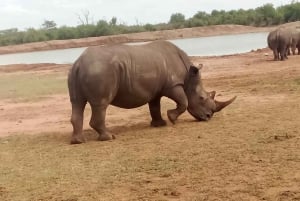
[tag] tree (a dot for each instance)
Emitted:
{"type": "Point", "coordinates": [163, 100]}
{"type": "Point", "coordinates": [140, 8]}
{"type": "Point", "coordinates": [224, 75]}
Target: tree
{"type": "Point", "coordinates": [85, 18]}
{"type": "Point", "coordinates": [103, 28]}
{"type": "Point", "coordinates": [113, 21]}
{"type": "Point", "coordinates": [149, 27]}
{"type": "Point", "coordinates": [177, 18]}
{"type": "Point", "coordinates": [266, 14]}
{"type": "Point", "coordinates": [201, 15]}
{"type": "Point", "coordinates": [291, 12]}
{"type": "Point", "coordinates": [217, 16]}
{"type": "Point", "coordinates": [48, 24]}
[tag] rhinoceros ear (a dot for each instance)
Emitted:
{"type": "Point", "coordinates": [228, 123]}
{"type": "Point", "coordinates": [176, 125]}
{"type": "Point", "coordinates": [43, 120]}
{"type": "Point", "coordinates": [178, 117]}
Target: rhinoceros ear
{"type": "Point", "coordinates": [193, 70]}
{"type": "Point", "coordinates": [212, 94]}
{"type": "Point", "coordinates": [192, 79]}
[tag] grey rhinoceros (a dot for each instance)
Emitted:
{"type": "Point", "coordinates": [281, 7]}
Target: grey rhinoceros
{"type": "Point", "coordinates": [279, 41]}
{"type": "Point", "coordinates": [131, 76]}
{"type": "Point", "coordinates": [296, 41]}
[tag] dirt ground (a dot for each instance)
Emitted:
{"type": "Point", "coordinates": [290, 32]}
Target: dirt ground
{"type": "Point", "coordinates": [248, 151]}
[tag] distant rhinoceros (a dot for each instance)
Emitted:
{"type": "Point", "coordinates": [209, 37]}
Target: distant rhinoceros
{"type": "Point", "coordinates": [279, 41]}
{"type": "Point", "coordinates": [131, 76]}
{"type": "Point", "coordinates": [296, 41]}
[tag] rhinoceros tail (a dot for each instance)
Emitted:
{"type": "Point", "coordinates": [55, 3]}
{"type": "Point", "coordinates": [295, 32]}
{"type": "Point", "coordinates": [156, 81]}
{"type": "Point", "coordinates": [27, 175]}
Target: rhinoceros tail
{"type": "Point", "coordinates": [75, 91]}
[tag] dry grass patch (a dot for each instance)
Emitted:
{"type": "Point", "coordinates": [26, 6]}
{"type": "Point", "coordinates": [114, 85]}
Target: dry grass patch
{"type": "Point", "coordinates": [235, 156]}
{"type": "Point", "coordinates": [31, 86]}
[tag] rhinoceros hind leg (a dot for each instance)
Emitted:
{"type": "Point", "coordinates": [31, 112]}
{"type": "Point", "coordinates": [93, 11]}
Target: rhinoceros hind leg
{"type": "Point", "coordinates": [177, 94]}
{"type": "Point", "coordinates": [97, 122]}
{"type": "Point", "coordinates": [77, 122]}
{"type": "Point", "coordinates": [276, 55]}
{"type": "Point", "coordinates": [283, 54]}
{"type": "Point", "coordinates": [154, 107]}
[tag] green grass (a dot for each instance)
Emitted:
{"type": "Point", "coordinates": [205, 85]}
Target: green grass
{"type": "Point", "coordinates": [31, 86]}
{"type": "Point", "coordinates": [297, 81]}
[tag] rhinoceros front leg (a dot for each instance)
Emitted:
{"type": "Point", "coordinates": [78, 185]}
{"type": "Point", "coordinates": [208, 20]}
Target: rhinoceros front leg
{"type": "Point", "coordinates": [77, 122]}
{"type": "Point", "coordinates": [97, 122]}
{"type": "Point", "coordinates": [154, 107]}
{"type": "Point", "coordinates": [177, 94]}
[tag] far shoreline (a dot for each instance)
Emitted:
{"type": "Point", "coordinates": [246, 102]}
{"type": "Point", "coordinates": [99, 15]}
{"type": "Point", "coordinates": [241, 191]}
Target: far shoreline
{"type": "Point", "coordinates": [214, 30]}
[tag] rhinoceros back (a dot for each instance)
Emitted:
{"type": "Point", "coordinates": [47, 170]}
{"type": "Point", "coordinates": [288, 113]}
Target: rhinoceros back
{"type": "Point", "coordinates": [130, 76]}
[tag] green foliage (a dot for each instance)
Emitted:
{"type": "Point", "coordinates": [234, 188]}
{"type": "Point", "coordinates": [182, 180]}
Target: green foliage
{"type": "Point", "coordinates": [86, 30]}
{"type": "Point", "coordinates": [113, 21]}
{"type": "Point", "coordinates": [32, 35]}
{"type": "Point", "coordinates": [103, 28]}
{"type": "Point", "coordinates": [49, 24]}
{"type": "Point", "coordinates": [177, 20]}
{"type": "Point", "coordinates": [150, 27]}
{"type": "Point", "coordinates": [291, 12]}
{"type": "Point", "coordinates": [265, 15]}
{"type": "Point", "coordinates": [65, 33]}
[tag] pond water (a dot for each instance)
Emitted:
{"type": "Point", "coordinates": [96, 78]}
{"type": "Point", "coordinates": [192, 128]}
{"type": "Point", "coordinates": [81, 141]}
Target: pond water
{"type": "Point", "coordinates": [203, 46]}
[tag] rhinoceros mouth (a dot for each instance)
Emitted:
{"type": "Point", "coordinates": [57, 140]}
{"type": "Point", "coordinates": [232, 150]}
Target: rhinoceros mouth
{"type": "Point", "coordinates": [198, 117]}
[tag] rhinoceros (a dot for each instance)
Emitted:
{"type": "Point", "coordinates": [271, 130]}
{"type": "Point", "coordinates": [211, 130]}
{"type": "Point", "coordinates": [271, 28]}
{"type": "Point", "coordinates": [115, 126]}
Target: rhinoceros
{"type": "Point", "coordinates": [296, 41]}
{"type": "Point", "coordinates": [279, 41]}
{"type": "Point", "coordinates": [129, 76]}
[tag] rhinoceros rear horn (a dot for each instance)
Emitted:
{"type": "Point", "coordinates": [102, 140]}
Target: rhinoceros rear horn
{"type": "Point", "coordinates": [221, 105]}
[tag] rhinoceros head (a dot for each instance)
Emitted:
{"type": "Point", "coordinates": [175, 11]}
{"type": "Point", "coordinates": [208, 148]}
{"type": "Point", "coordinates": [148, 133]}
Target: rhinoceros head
{"type": "Point", "coordinates": [201, 104]}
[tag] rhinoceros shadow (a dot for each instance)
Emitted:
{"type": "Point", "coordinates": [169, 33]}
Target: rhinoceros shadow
{"type": "Point", "coordinates": [117, 130]}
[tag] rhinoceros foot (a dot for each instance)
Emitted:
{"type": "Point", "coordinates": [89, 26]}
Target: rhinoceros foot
{"type": "Point", "coordinates": [106, 136]}
{"type": "Point", "coordinates": [172, 115]}
{"type": "Point", "coordinates": [158, 123]}
{"type": "Point", "coordinates": [77, 139]}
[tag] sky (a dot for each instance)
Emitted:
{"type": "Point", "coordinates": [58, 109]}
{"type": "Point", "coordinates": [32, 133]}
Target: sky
{"type": "Point", "coordinates": [23, 14]}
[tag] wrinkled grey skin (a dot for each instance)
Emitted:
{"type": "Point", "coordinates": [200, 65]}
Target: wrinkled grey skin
{"type": "Point", "coordinates": [132, 76]}
{"type": "Point", "coordinates": [295, 41]}
{"type": "Point", "coordinates": [279, 42]}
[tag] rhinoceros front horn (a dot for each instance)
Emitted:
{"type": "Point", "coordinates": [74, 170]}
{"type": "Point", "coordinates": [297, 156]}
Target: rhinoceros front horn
{"type": "Point", "coordinates": [221, 105]}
